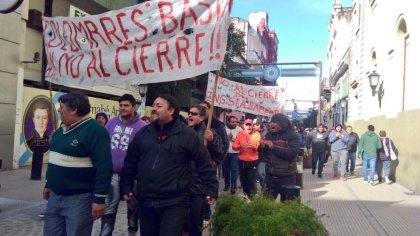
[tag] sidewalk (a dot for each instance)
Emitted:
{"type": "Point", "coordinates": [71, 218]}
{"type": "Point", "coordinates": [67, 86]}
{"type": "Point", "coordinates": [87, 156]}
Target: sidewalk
{"type": "Point", "coordinates": [354, 208]}
{"type": "Point", "coordinates": [346, 207]}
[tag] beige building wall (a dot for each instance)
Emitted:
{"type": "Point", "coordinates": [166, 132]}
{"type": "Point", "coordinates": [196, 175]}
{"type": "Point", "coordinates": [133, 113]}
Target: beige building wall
{"type": "Point", "coordinates": [12, 30]}
{"type": "Point", "coordinates": [19, 43]}
{"type": "Point", "coordinates": [381, 42]}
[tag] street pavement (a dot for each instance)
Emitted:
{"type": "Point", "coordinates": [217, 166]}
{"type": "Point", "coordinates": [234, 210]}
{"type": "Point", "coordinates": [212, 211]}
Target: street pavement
{"type": "Point", "coordinates": [345, 207]}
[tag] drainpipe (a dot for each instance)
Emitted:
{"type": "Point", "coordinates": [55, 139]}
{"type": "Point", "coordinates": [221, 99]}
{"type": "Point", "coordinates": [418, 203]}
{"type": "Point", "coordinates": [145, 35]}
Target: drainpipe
{"type": "Point", "coordinates": [47, 12]}
{"type": "Point", "coordinates": [404, 70]}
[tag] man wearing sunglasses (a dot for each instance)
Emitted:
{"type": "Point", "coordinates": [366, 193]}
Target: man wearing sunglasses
{"type": "Point", "coordinates": [247, 143]}
{"type": "Point", "coordinates": [214, 149]}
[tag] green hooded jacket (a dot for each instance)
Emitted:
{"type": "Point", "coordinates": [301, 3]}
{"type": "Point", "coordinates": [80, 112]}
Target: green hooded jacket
{"type": "Point", "coordinates": [369, 144]}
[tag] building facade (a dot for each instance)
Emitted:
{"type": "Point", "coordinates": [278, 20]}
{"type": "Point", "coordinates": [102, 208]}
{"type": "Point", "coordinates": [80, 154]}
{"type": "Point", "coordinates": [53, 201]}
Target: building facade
{"type": "Point", "coordinates": [384, 43]}
{"type": "Point", "coordinates": [22, 64]}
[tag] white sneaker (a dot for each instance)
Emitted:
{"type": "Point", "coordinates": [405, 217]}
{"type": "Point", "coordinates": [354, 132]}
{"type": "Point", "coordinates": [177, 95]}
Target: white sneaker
{"type": "Point", "coordinates": [206, 223]}
{"type": "Point", "coordinates": [372, 183]}
{"type": "Point", "coordinates": [365, 181]}
{"type": "Point", "coordinates": [387, 180]}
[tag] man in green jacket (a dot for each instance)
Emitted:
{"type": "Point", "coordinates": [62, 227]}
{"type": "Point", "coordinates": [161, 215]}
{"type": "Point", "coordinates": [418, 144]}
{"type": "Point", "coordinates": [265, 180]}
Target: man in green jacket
{"type": "Point", "coordinates": [368, 149]}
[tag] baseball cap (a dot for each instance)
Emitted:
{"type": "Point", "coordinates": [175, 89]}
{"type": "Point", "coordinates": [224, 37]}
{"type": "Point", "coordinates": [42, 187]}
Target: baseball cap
{"type": "Point", "coordinates": [248, 121]}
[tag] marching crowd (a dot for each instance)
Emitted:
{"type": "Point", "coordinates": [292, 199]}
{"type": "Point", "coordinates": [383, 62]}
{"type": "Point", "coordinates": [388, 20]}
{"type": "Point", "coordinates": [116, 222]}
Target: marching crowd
{"type": "Point", "coordinates": [378, 152]}
{"type": "Point", "coordinates": [164, 166]}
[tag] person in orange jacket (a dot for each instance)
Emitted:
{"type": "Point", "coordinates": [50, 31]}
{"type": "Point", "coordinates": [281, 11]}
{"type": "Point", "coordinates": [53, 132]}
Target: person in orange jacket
{"type": "Point", "coordinates": [247, 143]}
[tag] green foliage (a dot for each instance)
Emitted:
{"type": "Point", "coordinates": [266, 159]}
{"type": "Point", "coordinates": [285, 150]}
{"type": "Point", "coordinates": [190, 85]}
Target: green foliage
{"type": "Point", "coordinates": [234, 217]}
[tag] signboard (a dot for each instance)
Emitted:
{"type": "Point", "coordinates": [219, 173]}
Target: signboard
{"type": "Point", "coordinates": [155, 41]}
{"type": "Point", "coordinates": [76, 12]}
{"type": "Point", "coordinates": [270, 73]}
{"type": "Point", "coordinates": [258, 100]}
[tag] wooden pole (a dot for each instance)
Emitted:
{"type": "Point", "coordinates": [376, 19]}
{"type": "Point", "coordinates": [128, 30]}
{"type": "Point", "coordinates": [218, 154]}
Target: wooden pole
{"type": "Point", "coordinates": [52, 105]}
{"type": "Point", "coordinates": [213, 97]}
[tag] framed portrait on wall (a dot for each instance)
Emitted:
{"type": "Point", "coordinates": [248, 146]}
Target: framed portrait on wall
{"type": "Point", "coordinates": [39, 121]}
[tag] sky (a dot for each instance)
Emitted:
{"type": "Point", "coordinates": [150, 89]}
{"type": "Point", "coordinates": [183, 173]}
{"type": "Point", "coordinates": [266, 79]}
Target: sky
{"type": "Point", "coordinates": [301, 26]}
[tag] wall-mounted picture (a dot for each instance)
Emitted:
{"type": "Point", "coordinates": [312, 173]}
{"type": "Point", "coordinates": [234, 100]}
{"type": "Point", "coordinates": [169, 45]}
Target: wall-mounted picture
{"type": "Point", "coordinates": [39, 121]}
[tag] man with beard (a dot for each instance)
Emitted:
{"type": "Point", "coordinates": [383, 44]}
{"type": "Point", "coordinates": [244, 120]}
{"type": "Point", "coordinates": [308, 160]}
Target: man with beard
{"type": "Point", "coordinates": [121, 131]}
{"type": "Point", "coordinates": [196, 116]}
{"type": "Point", "coordinates": [159, 157]}
{"type": "Point", "coordinates": [280, 149]}
{"type": "Point", "coordinates": [247, 143]}
{"type": "Point", "coordinates": [230, 163]}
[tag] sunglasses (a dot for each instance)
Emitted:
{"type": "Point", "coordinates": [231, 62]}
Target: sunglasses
{"type": "Point", "coordinates": [191, 113]}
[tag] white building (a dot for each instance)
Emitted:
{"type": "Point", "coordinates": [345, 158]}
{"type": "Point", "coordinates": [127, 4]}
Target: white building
{"type": "Point", "coordinates": [385, 42]}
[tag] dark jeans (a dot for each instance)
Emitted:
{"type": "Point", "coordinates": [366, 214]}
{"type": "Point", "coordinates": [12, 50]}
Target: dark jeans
{"type": "Point", "coordinates": [230, 170]}
{"type": "Point", "coordinates": [133, 214]}
{"type": "Point", "coordinates": [248, 175]}
{"type": "Point", "coordinates": [318, 157]}
{"type": "Point", "coordinates": [195, 220]}
{"type": "Point", "coordinates": [206, 211]}
{"type": "Point", "coordinates": [162, 221]}
{"type": "Point", "coordinates": [274, 184]}
{"type": "Point", "coordinates": [352, 160]}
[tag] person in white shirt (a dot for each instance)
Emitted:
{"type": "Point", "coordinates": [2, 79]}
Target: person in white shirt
{"type": "Point", "coordinates": [230, 163]}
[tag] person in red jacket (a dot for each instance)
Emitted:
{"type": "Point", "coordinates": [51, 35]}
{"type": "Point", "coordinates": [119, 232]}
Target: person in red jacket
{"type": "Point", "coordinates": [247, 143]}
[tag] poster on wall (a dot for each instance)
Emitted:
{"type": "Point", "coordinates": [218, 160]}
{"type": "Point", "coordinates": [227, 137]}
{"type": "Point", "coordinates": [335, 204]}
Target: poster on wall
{"type": "Point", "coordinates": [41, 118]}
{"type": "Point", "coordinates": [39, 121]}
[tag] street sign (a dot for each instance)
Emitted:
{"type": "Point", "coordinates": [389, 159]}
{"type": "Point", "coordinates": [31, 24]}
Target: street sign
{"type": "Point", "coordinates": [270, 73]}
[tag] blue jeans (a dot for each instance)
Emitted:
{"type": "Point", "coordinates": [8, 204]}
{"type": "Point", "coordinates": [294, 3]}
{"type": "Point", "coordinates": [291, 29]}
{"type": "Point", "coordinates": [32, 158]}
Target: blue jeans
{"type": "Point", "coordinates": [352, 159]}
{"type": "Point", "coordinates": [111, 206]}
{"type": "Point", "coordinates": [261, 173]}
{"type": "Point", "coordinates": [371, 160]}
{"type": "Point", "coordinates": [69, 215]}
{"type": "Point", "coordinates": [230, 170]}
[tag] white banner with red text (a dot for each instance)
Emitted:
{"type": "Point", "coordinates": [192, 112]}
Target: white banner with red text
{"type": "Point", "coordinates": [155, 41]}
{"type": "Point", "coordinates": [254, 99]}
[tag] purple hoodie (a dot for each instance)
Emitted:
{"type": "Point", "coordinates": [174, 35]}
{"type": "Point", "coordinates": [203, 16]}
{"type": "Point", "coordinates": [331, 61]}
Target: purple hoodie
{"type": "Point", "coordinates": [121, 134]}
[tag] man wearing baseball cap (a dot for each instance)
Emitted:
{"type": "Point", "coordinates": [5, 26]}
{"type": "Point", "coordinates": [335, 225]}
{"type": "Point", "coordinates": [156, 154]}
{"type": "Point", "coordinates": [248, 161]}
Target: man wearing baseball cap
{"type": "Point", "coordinates": [247, 143]}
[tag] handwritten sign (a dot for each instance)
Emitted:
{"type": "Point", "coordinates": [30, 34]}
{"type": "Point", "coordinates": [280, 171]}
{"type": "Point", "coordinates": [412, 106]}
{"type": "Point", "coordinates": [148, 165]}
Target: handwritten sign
{"type": "Point", "coordinates": [151, 42]}
{"type": "Point", "coordinates": [258, 100]}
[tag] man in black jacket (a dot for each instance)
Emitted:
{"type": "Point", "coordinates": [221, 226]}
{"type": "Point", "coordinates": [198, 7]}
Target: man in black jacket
{"type": "Point", "coordinates": [160, 158]}
{"type": "Point", "coordinates": [215, 149]}
{"type": "Point", "coordinates": [280, 149]}
{"type": "Point", "coordinates": [319, 141]}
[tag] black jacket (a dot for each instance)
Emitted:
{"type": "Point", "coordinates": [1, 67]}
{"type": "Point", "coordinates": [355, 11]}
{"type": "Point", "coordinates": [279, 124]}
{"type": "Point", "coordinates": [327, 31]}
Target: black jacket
{"type": "Point", "coordinates": [319, 141]}
{"type": "Point", "coordinates": [159, 157]}
{"type": "Point", "coordinates": [214, 150]}
{"type": "Point", "coordinates": [281, 158]}
{"type": "Point", "coordinates": [220, 129]}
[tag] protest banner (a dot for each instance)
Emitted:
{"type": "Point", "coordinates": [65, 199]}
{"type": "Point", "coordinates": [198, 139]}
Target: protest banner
{"type": "Point", "coordinates": [258, 100]}
{"type": "Point", "coordinates": [155, 41]}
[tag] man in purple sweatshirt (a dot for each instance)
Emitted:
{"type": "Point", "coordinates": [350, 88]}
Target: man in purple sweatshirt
{"type": "Point", "coordinates": [121, 131]}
